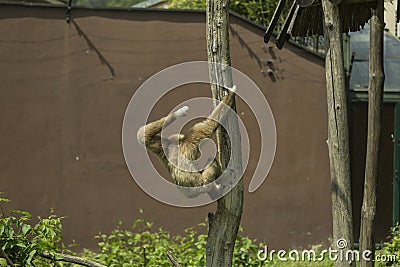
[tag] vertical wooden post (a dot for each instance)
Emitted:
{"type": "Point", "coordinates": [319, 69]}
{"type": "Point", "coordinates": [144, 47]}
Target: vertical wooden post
{"type": "Point", "coordinates": [224, 224]}
{"type": "Point", "coordinates": [396, 164]}
{"type": "Point", "coordinates": [338, 130]}
{"type": "Point", "coordinates": [375, 99]}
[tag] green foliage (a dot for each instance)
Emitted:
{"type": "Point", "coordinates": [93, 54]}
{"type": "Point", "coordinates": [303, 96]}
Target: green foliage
{"type": "Point", "coordinates": [22, 240]}
{"type": "Point", "coordinates": [245, 253]}
{"type": "Point", "coordinates": [392, 248]}
{"type": "Point", "coordinates": [141, 246]}
{"type": "Point", "coordinates": [324, 263]}
{"type": "Point", "coordinates": [188, 4]}
{"type": "Point", "coordinates": [132, 248]}
{"type": "Point", "coordinates": [255, 10]}
{"type": "Point", "coordinates": [107, 3]}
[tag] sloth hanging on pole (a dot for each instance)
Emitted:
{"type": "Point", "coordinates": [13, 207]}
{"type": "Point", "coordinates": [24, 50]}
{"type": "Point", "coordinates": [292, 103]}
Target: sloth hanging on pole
{"type": "Point", "coordinates": [179, 151]}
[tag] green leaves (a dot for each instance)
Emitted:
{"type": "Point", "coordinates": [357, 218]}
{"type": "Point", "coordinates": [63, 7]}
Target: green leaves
{"type": "Point", "coordinates": [136, 247]}
{"type": "Point", "coordinates": [4, 200]}
{"type": "Point", "coordinates": [22, 240]}
{"type": "Point", "coordinates": [255, 10]}
{"type": "Point", "coordinates": [107, 3]}
{"type": "Point", "coordinates": [143, 246]}
{"type": "Point", "coordinates": [188, 4]}
{"type": "Point", "coordinates": [391, 249]}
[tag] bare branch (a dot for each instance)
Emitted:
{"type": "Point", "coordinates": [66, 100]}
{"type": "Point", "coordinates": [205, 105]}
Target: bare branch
{"type": "Point", "coordinates": [69, 258]}
{"type": "Point", "coordinates": [4, 255]}
{"type": "Point", "coordinates": [173, 259]}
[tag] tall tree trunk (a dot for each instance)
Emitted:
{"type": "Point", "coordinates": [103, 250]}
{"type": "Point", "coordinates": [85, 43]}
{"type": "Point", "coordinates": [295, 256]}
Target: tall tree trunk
{"type": "Point", "coordinates": [224, 224]}
{"type": "Point", "coordinates": [375, 95]}
{"type": "Point", "coordinates": [338, 131]}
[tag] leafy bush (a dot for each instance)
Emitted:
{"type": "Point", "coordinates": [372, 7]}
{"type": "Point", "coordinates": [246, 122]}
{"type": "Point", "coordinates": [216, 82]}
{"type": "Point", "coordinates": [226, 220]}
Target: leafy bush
{"type": "Point", "coordinates": [188, 4]}
{"type": "Point", "coordinates": [255, 10]}
{"type": "Point", "coordinates": [392, 248]}
{"type": "Point", "coordinates": [107, 3]}
{"type": "Point", "coordinates": [141, 246]}
{"type": "Point", "coordinates": [22, 240]}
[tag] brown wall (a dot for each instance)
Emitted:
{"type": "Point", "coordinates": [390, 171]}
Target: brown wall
{"type": "Point", "coordinates": [59, 101]}
{"type": "Point", "coordinates": [358, 146]}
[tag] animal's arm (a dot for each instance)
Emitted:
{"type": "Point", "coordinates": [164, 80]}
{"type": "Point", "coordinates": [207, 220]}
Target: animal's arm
{"type": "Point", "coordinates": [206, 128]}
{"type": "Point", "coordinates": [150, 134]}
{"type": "Point", "coordinates": [220, 110]}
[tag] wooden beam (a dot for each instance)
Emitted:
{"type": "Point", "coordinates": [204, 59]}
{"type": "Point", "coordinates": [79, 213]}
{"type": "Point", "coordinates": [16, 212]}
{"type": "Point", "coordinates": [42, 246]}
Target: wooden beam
{"type": "Point", "coordinates": [274, 20]}
{"type": "Point", "coordinates": [284, 35]}
{"type": "Point", "coordinates": [338, 130]}
{"type": "Point", "coordinates": [375, 97]}
{"type": "Point", "coordinates": [224, 224]}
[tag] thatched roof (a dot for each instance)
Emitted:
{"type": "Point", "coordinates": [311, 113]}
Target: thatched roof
{"type": "Point", "coordinates": [305, 18]}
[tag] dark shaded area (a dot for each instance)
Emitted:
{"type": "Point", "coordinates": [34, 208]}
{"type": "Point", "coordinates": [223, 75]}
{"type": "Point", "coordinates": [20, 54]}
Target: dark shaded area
{"type": "Point", "coordinates": [306, 19]}
{"type": "Point", "coordinates": [62, 112]}
{"type": "Point", "coordinates": [358, 146]}
{"type": "Point", "coordinates": [92, 47]}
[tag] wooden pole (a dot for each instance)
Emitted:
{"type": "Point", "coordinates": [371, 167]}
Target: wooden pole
{"type": "Point", "coordinates": [338, 132]}
{"type": "Point", "coordinates": [375, 95]}
{"type": "Point", "coordinates": [72, 259]}
{"type": "Point", "coordinates": [224, 224]}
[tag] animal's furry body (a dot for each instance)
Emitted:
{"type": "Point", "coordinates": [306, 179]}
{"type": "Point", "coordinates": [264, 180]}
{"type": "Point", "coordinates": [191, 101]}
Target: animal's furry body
{"type": "Point", "coordinates": [180, 147]}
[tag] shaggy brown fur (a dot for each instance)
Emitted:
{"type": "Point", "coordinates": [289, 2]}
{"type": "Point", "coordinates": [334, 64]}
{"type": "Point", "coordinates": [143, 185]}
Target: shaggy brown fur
{"type": "Point", "coordinates": [179, 145]}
